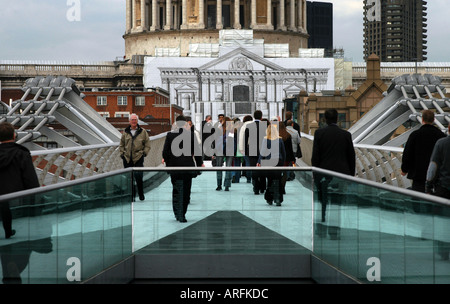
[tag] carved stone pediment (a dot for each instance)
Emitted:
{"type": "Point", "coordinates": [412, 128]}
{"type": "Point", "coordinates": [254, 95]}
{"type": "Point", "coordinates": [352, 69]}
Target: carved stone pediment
{"type": "Point", "coordinates": [186, 87]}
{"type": "Point", "coordinates": [239, 60]}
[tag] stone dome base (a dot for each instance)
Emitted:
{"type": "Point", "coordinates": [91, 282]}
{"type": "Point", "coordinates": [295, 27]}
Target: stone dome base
{"type": "Point", "coordinates": [145, 43]}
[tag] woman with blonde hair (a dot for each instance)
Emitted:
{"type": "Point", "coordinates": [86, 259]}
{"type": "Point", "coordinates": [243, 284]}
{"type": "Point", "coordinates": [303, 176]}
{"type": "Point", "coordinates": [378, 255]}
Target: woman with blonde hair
{"type": "Point", "coordinates": [273, 154]}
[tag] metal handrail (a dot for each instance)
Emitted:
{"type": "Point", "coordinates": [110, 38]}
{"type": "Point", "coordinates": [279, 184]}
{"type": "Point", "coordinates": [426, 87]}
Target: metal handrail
{"type": "Point", "coordinates": [350, 179]}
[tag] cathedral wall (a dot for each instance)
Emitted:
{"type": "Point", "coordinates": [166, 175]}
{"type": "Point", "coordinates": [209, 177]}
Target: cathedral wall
{"type": "Point", "coordinates": [145, 43]}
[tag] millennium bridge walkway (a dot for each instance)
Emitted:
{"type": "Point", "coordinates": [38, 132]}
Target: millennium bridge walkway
{"type": "Point", "coordinates": [83, 225]}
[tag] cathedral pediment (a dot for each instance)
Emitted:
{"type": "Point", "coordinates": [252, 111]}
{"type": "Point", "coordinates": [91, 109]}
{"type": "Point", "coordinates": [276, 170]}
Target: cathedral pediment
{"type": "Point", "coordinates": [294, 87]}
{"type": "Point", "coordinates": [186, 86]}
{"type": "Point", "coordinates": [241, 60]}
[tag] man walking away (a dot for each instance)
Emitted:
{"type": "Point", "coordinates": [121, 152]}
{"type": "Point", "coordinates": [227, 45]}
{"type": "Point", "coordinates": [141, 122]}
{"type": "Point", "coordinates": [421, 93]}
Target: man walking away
{"type": "Point", "coordinates": [332, 150]}
{"type": "Point", "coordinates": [418, 149]}
{"type": "Point", "coordinates": [17, 172]}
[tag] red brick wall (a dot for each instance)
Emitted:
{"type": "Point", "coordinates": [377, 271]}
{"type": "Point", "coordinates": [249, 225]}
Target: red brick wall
{"type": "Point", "coordinates": [153, 126]}
{"type": "Point", "coordinates": [156, 105]}
{"type": "Point", "coordinates": [14, 94]}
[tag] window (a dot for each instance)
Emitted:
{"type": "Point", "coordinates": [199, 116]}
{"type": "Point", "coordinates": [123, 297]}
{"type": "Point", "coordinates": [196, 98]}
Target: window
{"type": "Point", "coordinates": [140, 100]}
{"type": "Point", "coordinates": [104, 114]}
{"type": "Point", "coordinates": [122, 114]}
{"type": "Point", "coordinates": [50, 145]}
{"type": "Point", "coordinates": [101, 100]}
{"type": "Point", "coordinates": [122, 100]}
{"type": "Point", "coordinates": [161, 100]}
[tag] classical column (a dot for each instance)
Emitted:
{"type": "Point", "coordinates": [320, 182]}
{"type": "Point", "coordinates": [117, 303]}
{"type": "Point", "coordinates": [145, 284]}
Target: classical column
{"type": "Point", "coordinates": [282, 23]}
{"type": "Point", "coordinates": [292, 16]}
{"type": "Point", "coordinates": [219, 24]}
{"type": "Point", "coordinates": [175, 16]}
{"type": "Point", "coordinates": [143, 15]}
{"type": "Point", "coordinates": [133, 13]}
{"type": "Point", "coordinates": [206, 90]}
{"type": "Point", "coordinates": [168, 24]}
{"type": "Point", "coordinates": [269, 15]}
{"type": "Point", "coordinates": [154, 25]}
{"type": "Point", "coordinates": [129, 24]}
{"type": "Point", "coordinates": [201, 14]}
{"type": "Point", "coordinates": [304, 16]}
{"type": "Point", "coordinates": [253, 14]}
{"type": "Point", "coordinates": [237, 24]}
{"type": "Point", "coordinates": [184, 15]}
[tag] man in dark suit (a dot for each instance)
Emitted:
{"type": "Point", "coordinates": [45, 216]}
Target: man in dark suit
{"type": "Point", "coordinates": [418, 149]}
{"type": "Point", "coordinates": [254, 135]}
{"type": "Point", "coordinates": [181, 149]}
{"type": "Point", "coordinates": [289, 116]}
{"type": "Point", "coordinates": [332, 150]}
{"type": "Point", "coordinates": [333, 147]}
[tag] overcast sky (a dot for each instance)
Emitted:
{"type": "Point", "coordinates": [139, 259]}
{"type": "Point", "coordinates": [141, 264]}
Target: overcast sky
{"type": "Point", "coordinates": [57, 30]}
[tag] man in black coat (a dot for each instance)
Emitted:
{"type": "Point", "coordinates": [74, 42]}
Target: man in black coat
{"type": "Point", "coordinates": [17, 172]}
{"type": "Point", "coordinates": [333, 147]}
{"type": "Point", "coordinates": [418, 149]}
{"type": "Point", "coordinates": [181, 149]}
{"type": "Point", "coordinates": [332, 150]}
{"type": "Point", "coordinates": [253, 137]}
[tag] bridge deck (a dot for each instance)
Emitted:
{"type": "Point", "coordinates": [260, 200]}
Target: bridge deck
{"type": "Point", "coordinates": [154, 218]}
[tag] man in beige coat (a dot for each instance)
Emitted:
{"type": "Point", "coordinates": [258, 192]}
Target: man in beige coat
{"type": "Point", "coordinates": [134, 146]}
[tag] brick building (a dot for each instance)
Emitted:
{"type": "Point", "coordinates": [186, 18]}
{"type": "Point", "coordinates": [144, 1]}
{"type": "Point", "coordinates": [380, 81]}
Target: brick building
{"type": "Point", "coordinates": [146, 103]}
{"type": "Point", "coordinates": [350, 103]}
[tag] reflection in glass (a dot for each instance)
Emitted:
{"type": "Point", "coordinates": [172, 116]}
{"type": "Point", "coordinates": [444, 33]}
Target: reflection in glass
{"type": "Point", "coordinates": [409, 236]}
{"type": "Point", "coordinates": [90, 221]}
{"type": "Point", "coordinates": [344, 222]}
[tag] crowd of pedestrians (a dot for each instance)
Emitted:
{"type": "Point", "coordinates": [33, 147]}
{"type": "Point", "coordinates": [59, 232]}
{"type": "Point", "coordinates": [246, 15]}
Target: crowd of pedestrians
{"type": "Point", "coordinates": [232, 145]}
{"type": "Point", "coordinates": [253, 142]}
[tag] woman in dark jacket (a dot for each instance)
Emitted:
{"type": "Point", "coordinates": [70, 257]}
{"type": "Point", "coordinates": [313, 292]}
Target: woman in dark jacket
{"type": "Point", "coordinates": [273, 153]}
{"type": "Point", "coordinates": [182, 180]}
